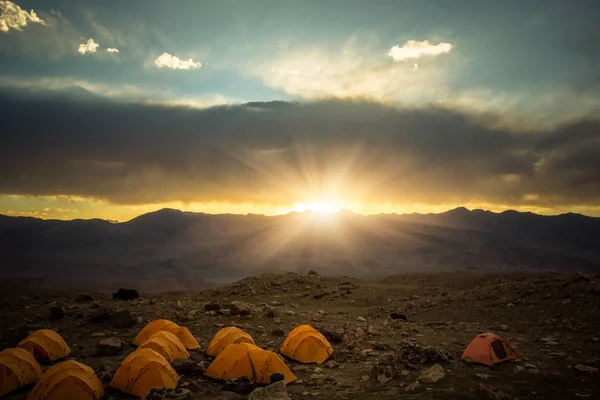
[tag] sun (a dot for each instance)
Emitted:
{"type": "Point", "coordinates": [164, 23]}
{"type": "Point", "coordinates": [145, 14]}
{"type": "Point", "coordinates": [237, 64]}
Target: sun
{"type": "Point", "coordinates": [325, 207]}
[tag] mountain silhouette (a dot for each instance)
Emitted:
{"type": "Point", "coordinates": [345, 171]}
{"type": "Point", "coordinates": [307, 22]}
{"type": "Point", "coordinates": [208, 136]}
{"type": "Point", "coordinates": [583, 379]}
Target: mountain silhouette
{"type": "Point", "coordinates": [173, 249]}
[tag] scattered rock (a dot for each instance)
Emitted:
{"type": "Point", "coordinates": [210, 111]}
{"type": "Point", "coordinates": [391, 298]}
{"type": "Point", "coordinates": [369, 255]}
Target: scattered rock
{"type": "Point", "coordinates": [413, 387]}
{"type": "Point", "coordinates": [122, 320]}
{"type": "Point", "coordinates": [187, 367]}
{"type": "Point", "coordinates": [500, 301]}
{"type": "Point", "coordinates": [320, 295]}
{"type": "Point", "coordinates": [332, 336]}
{"type": "Point", "coordinates": [432, 375]}
{"type": "Point", "coordinates": [212, 306]}
{"type": "Point", "coordinates": [361, 319]}
{"type": "Point", "coordinates": [100, 315]}
{"type": "Point", "coordinates": [57, 312]}
{"type": "Point", "coordinates": [275, 391]}
{"type": "Point", "coordinates": [83, 297]}
{"type": "Point", "coordinates": [585, 368]}
{"type": "Point", "coordinates": [240, 308]}
{"type": "Point", "coordinates": [225, 395]}
{"type": "Point", "coordinates": [484, 376]}
{"type": "Point", "coordinates": [241, 386]}
{"type": "Point", "coordinates": [488, 393]}
{"type": "Point", "coordinates": [399, 316]}
{"type": "Point", "coordinates": [332, 364]}
{"type": "Point", "coordinates": [110, 346]}
{"type": "Point", "coordinates": [272, 313]}
{"type": "Point", "coordinates": [313, 272]}
{"type": "Point", "coordinates": [170, 394]}
{"type": "Point", "coordinates": [12, 336]}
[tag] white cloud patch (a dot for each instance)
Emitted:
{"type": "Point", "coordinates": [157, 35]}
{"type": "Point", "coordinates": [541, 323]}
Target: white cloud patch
{"type": "Point", "coordinates": [414, 49]}
{"type": "Point", "coordinates": [14, 17]}
{"type": "Point", "coordinates": [112, 50]}
{"type": "Point", "coordinates": [89, 47]}
{"type": "Point", "coordinates": [166, 60]}
{"type": "Point", "coordinates": [354, 71]}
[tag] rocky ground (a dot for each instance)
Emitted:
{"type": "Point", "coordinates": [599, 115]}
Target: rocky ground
{"type": "Point", "coordinates": [550, 319]}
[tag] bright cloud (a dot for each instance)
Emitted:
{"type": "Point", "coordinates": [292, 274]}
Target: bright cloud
{"type": "Point", "coordinates": [91, 46]}
{"type": "Point", "coordinates": [416, 49]}
{"type": "Point", "coordinates": [166, 60]}
{"type": "Point", "coordinates": [112, 50]}
{"type": "Point", "coordinates": [14, 17]}
{"type": "Point", "coordinates": [352, 72]}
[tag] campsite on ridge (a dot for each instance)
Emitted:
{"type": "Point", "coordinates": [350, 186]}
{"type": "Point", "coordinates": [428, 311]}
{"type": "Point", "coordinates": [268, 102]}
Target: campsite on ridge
{"type": "Point", "coordinates": [460, 335]}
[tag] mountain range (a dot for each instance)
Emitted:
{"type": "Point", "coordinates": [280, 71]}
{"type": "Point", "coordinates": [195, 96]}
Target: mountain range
{"type": "Point", "coordinates": [175, 250]}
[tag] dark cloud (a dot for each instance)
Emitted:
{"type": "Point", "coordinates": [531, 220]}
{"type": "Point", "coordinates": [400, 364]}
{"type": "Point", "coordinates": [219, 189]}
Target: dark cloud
{"type": "Point", "coordinates": [275, 152]}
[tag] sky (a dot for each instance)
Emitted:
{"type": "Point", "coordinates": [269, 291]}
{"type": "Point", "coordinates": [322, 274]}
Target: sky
{"type": "Point", "coordinates": [110, 109]}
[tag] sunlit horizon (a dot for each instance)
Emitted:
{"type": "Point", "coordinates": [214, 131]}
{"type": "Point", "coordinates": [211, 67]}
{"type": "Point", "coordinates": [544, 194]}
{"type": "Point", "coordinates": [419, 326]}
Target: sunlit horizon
{"type": "Point", "coordinates": [69, 208]}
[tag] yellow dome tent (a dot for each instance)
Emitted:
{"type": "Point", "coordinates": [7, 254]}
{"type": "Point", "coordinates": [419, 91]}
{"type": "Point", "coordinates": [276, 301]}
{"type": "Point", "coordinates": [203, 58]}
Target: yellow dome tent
{"type": "Point", "coordinates": [306, 345]}
{"type": "Point", "coordinates": [249, 360]}
{"type": "Point", "coordinates": [225, 337]}
{"type": "Point", "coordinates": [45, 344]}
{"type": "Point", "coordinates": [155, 326]}
{"type": "Point", "coordinates": [186, 337]}
{"type": "Point", "coordinates": [68, 380]}
{"type": "Point", "coordinates": [167, 345]}
{"type": "Point", "coordinates": [143, 370]}
{"type": "Point", "coordinates": [182, 333]}
{"type": "Point", "coordinates": [18, 368]}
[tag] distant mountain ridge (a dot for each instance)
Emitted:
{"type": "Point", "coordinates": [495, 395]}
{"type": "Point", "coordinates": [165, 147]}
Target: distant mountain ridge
{"type": "Point", "coordinates": [172, 249]}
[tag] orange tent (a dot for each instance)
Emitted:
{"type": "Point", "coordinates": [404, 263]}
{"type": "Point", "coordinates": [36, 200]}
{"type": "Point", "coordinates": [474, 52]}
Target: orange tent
{"type": "Point", "coordinates": [186, 337]}
{"type": "Point", "coordinates": [45, 344]}
{"type": "Point", "coordinates": [225, 337]}
{"type": "Point", "coordinates": [489, 349]}
{"type": "Point", "coordinates": [249, 360]}
{"type": "Point", "coordinates": [154, 326]}
{"type": "Point", "coordinates": [143, 370]}
{"type": "Point", "coordinates": [182, 333]}
{"type": "Point", "coordinates": [306, 345]}
{"type": "Point", "coordinates": [68, 380]}
{"type": "Point", "coordinates": [18, 368]}
{"type": "Point", "coordinates": [167, 345]}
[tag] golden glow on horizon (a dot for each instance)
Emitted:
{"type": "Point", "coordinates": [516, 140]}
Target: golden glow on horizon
{"type": "Point", "coordinates": [326, 207]}
{"type": "Point", "coordinates": [71, 207]}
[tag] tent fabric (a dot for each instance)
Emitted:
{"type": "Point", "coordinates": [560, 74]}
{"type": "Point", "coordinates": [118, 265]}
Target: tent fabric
{"type": "Point", "coordinates": [489, 349]}
{"type": "Point", "coordinates": [306, 345]}
{"type": "Point", "coordinates": [186, 337]}
{"type": "Point", "coordinates": [143, 370]}
{"type": "Point", "coordinates": [182, 333]}
{"type": "Point", "coordinates": [45, 344]}
{"type": "Point", "coordinates": [225, 337]}
{"type": "Point", "coordinates": [155, 326]}
{"type": "Point", "coordinates": [167, 345]}
{"type": "Point", "coordinates": [68, 380]}
{"type": "Point", "coordinates": [250, 361]}
{"type": "Point", "coordinates": [18, 368]}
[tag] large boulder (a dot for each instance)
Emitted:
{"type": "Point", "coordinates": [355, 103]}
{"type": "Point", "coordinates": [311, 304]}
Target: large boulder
{"type": "Point", "coordinates": [122, 320]}
{"type": "Point", "coordinates": [331, 335]}
{"type": "Point", "coordinates": [275, 391]}
{"type": "Point", "coordinates": [240, 308]}
{"type": "Point", "coordinates": [100, 315]}
{"type": "Point", "coordinates": [110, 346]}
{"type": "Point", "coordinates": [212, 306]}
{"type": "Point", "coordinates": [432, 375]}
{"type": "Point", "coordinates": [57, 312]}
